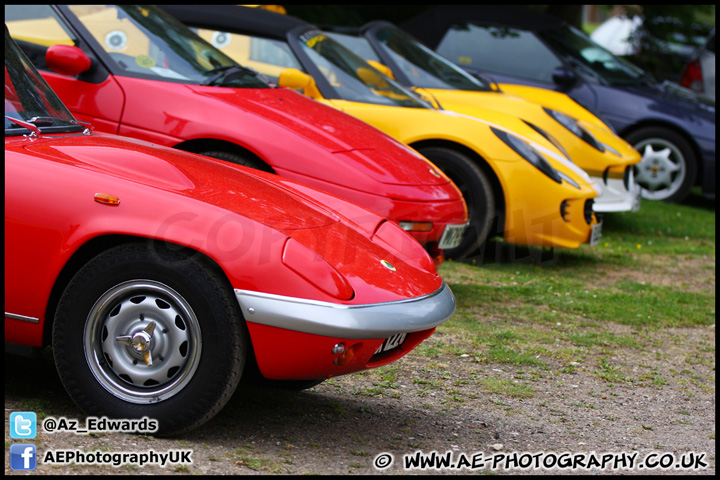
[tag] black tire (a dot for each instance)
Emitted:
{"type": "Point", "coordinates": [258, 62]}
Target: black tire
{"type": "Point", "coordinates": [174, 303]}
{"type": "Point", "coordinates": [668, 169]}
{"type": "Point", "coordinates": [245, 160]}
{"type": "Point", "coordinates": [477, 191]}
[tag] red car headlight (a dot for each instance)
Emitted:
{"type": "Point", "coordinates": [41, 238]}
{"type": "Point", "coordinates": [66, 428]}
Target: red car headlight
{"type": "Point", "coordinates": [316, 270]}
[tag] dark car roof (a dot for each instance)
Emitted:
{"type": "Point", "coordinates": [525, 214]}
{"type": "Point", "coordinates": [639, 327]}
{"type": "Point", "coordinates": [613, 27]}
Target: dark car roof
{"type": "Point", "coordinates": [430, 26]}
{"type": "Point", "coordinates": [234, 18]}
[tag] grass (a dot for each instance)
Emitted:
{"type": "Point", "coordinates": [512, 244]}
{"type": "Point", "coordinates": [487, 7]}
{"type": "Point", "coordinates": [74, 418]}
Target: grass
{"type": "Point", "coordinates": [653, 270]}
{"type": "Point", "coordinates": [555, 312]}
{"type": "Point", "coordinates": [507, 387]}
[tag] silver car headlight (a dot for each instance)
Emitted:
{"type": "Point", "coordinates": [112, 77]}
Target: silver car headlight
{"type": "Point", "coordinates": [550, 139]}
{"type": "Point", "coordinates": [611, 149]}
{"type": "Point", "coordinates": [524, 149]}
{"type": "Point", "coordinates": [569, 180]}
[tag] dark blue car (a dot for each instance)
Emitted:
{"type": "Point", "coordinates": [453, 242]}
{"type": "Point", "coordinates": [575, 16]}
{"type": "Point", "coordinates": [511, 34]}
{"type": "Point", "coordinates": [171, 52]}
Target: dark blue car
{"type": "Point", "coordinates": [673, 128]}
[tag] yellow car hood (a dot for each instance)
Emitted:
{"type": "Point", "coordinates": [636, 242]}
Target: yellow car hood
{"type": "Point", "coordinates": [471, 129]}
{"type": "Point", "coordinates": [585, 156]}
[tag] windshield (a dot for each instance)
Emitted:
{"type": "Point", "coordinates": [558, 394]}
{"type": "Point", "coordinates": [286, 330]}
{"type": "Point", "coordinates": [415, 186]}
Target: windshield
{"type": "Point", "coordinates": [591, 57]}
{"type": "Point", "coordinates": [29, 99]}
{"type": "Point", "coordinates": [423, 67]}
{"type": "Point", "coordinates": [353, 78]}
{"type": "Point", "coordinates": [143, 40]}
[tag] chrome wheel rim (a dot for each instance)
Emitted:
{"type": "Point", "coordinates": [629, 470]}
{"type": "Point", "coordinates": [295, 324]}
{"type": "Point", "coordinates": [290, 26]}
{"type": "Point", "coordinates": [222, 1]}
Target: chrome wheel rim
{"type": "Point", "coordinates": [142, 341]}
{"type": "Point", "coordinates": [662, 170]}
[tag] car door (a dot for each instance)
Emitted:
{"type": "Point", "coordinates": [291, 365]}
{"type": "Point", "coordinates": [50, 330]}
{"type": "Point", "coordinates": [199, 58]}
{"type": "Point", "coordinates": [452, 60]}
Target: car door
{"type": "Point", "coordinates": [93, 96]}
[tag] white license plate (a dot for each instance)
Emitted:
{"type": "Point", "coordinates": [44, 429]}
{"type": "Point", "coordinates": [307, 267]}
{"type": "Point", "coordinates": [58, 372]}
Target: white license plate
{"type": "Point", "coordinates": [595, 234]}
{"type": "Point", "coordinates": [391, 342]}
{"type": "Point", "coordinates": [452, 236]}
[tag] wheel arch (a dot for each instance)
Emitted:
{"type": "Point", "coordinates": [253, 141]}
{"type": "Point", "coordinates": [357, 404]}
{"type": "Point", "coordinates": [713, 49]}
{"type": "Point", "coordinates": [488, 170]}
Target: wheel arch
{"type": "Point", "coordinates": [200, 145]}
{"type": "Point", "coordinates": [101, 244]}
{"type": "Point", "coordinates": [481, 163]}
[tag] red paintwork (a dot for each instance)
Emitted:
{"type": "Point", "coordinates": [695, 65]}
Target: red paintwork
{"type": "Point", "coordinates": [239, 217]}
{"type": "Point", "coordinates": [67, 60]}
{"type": "Point", "coordinates": [281, 363]}
{"type": "Point", "coordinates": [299, 138]}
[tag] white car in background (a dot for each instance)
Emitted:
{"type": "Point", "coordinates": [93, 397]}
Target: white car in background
{"type": "Point", "coordinates": [614, 34]}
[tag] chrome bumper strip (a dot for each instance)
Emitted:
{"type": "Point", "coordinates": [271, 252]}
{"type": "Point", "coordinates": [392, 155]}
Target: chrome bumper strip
{"type": "Point", "coordinates": [22, 318]}
{"type": "Point", "coordinates": [376, 320]}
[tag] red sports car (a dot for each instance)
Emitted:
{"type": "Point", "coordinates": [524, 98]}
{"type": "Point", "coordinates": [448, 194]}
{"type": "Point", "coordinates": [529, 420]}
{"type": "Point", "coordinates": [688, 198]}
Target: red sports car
{"type": "Point", "coordinates": [137, 72]}
{"type": "Point", "coordinates": [155, 273]}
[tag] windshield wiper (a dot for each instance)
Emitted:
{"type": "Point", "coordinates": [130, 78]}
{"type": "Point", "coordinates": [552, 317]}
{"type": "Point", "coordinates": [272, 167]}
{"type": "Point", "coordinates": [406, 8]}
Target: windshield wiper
{"type": "Point", "coordinates": [35, 123]}
{"type": "Point", "coordinates": [42, 121]}
{"type": "Point", "coordinates": [219, 74]}
{"type": "Point", "coordinates": [34, 130]}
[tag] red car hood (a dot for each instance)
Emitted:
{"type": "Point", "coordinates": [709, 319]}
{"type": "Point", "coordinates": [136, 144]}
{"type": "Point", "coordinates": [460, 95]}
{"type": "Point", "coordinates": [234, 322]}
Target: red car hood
{"type": "Point", "coordinates": [375, 153]}
{"type": "Point", "coordinates": [230, 187]}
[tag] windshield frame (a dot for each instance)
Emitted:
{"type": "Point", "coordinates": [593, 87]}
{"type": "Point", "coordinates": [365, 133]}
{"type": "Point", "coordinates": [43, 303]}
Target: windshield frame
{"type": "Point", "coordinates": [213, 57]}
{"type": "Point", "coordinates": [298, 47]}
{"type": "Point", "coordinates": [34, 92]}
{"type": "Point", "coordinates": [372, 34]}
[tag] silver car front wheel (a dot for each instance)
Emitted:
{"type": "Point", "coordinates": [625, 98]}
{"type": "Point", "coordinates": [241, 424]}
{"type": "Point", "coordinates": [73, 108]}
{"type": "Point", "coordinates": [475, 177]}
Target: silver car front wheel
{"type": "Point", "coordinates": [144, 330]}
{"type": "Point", "coordinates": [142, 341]}
{"type": "Point", "coordinates": [668, 169]}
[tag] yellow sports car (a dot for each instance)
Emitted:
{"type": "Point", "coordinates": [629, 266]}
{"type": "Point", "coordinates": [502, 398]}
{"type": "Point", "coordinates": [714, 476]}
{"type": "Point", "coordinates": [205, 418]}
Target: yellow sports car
{"type": "Point", "coordinates": [516, 183]}
{"type": "Point", "coordinates": [589, 142]}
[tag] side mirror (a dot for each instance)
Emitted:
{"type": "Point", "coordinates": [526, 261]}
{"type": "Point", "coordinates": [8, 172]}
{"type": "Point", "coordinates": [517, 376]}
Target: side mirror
{"type": "Point", "coordinates": [382, 68]}
{"type": "Point", "coordinates": [564, 76]}
{"type": "Point", "coordinates": [296, 80]}
{"type": "Point", "coordinates": [67, 60]}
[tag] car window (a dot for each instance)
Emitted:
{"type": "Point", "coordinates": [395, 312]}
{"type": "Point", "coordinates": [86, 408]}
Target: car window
{"type": "Point", "coordinates": [424, 67]}
{"type": "Point", "coordinates": [29, 99]}
{"type": "Point", "coordinates": [266, 55]}
{"type": "Point", "coordinates": [35, 28]}
{"type": "Point", "coordinates": [359, 45]}
{"type": "Point", "coordinates": [499, 50]}
{"type": "Point", "coordinates": [140, 40]}
{"type": "Point", "coordinates": [351, 77]}
{"type": "Point", "coordinates": [133, 40]}
{"type": "Point", "coordinates": [594, 59]}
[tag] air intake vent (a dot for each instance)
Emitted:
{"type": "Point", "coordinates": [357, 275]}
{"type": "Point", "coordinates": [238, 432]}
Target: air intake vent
{"type": "Point", "coordinates": [588, 211]}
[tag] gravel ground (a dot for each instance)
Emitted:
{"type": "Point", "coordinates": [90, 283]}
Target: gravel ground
{"type": "Point", "coordinates": [430, 403]}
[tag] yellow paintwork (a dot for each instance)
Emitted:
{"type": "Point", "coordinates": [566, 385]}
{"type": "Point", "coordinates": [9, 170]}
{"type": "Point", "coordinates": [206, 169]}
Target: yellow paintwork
{"type": "Point", "coordinates": [593, 161]}
{"type": "Point", "coordinates": [271, 8]}
{"type": "Point", "coordinates": [523, 102]}
{"type": "Point", "coordinates": [531, 199]}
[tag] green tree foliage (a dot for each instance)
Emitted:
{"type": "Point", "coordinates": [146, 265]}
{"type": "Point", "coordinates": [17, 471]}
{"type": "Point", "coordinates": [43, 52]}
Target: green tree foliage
{"type": "Point", "coordinates": [667, 34]}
